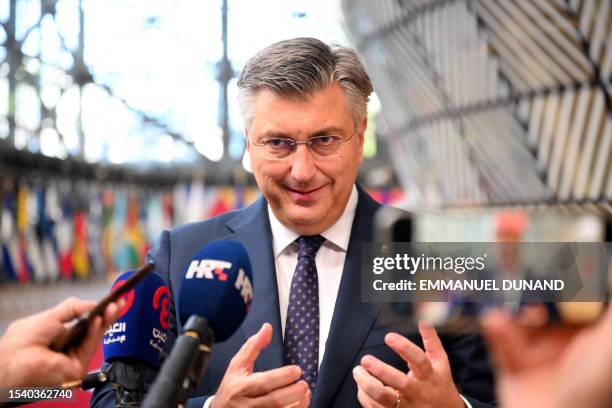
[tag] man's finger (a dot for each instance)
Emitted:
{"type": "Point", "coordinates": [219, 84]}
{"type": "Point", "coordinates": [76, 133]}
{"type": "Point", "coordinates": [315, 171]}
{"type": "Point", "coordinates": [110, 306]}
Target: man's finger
{"type": "Point", "coordinates": [411, 353]}
{"type": "Point", "coordinates": [504, 340]}
{"type": "Point", "coordinates": [292, 395]}
{"type": "Point", "coordinates": [264, 382]}
{"type": "Point", "coordinates": [372, 386]}
{"type": "Point", "coordinates": [112, 312]}
{"type": "Point", "coordinates": [244, 360]}
{"type": "Point", "coordinates": [71, 308]}
{"type": "Point", "coordinates": [533, 315]}
{"type": "Point", "coordinates": [433, 346]}
{"type": "Point", "coordinates": [305, 403]}
{"type": "Point", "coordinates": [83, 353]}
{"type": "Point", "coordinates": [95, 332]}
{"type": "Point", "coordinates": [366, 401]}
{"type": "Point", "coordinates": [388, 375]}
{"type": "Point", "coordinates": [58, 368]}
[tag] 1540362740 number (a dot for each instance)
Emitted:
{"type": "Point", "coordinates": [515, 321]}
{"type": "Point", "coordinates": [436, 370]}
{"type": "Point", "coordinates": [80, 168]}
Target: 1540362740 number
{"type": "Point", "coordinates": [35, 394]}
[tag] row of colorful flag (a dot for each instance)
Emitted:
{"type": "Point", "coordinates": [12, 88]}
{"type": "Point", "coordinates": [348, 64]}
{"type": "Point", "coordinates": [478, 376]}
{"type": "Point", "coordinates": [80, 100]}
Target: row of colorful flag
{"type": "Point", "coordinates": [63, 230]}
{"type": "Point", "coordinates": [73, 230]}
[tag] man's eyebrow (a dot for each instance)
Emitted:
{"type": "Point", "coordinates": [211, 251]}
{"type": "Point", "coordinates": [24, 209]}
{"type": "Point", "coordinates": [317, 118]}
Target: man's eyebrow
{"type": "Point", "coordinates": [274, 134]}
{"type": "Point", "coordinates": [330, 130]}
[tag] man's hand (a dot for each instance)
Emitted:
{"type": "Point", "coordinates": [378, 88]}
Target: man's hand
{"type": "Point", "coordinates": [275, 388]}
{"type": "Point", "coordinates": [429, 382]}
{"type": "Point", "coordinates": [25, 356]}
{"type": "Point", "coordinates": [551, 366]}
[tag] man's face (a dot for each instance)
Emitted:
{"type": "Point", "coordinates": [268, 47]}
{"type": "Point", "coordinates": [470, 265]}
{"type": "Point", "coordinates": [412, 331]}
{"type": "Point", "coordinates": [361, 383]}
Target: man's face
{"type": "Point", "coordinates": [307, 194]}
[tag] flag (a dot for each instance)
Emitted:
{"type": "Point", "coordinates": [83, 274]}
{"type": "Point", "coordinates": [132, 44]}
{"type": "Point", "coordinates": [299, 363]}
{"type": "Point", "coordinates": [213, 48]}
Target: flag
{"type": "Point", "coordinates": [64, 234]}
{"type": "Point", "coordinates": [95, 227]}
{"type": "Point", "coordinates": [51, 211]}
{"type": "Point", "coordinates": [80, 256]}
{"type": "Point", "coordinates": [8, 237]}
{"type": "Point", "coordinates": [24, 271]}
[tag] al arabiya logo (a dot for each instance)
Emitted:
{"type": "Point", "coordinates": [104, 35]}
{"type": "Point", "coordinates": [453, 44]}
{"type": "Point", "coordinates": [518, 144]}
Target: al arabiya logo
{"type": "Point", "coordinates": [161, 300]}
{"type": "Point", "coordinates": [129, 297]}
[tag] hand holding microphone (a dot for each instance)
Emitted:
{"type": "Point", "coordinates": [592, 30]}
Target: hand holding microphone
{"type": "Point", "coordinates": [26, 356]}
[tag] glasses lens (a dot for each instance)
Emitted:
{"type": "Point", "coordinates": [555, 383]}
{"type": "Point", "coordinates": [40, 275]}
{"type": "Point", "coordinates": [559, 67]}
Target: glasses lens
{"type": "Point", "coordinates": [325, 146]}
{"type": "Point", "coordinates": [278, 148]}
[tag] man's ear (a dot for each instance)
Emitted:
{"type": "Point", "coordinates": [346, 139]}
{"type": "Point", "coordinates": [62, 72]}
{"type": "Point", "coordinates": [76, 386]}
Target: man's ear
{"type": "Point", "coordinates": [362, 128]}
{"type": "Point", "coordinates": [248, 140]}
{"type": "Point", "coordinates": [361, 134]}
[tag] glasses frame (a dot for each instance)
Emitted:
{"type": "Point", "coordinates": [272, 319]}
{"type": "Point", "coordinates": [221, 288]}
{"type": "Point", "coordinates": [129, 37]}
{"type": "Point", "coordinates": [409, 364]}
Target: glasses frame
{"type": "Point", "coordinates": [295, 144]}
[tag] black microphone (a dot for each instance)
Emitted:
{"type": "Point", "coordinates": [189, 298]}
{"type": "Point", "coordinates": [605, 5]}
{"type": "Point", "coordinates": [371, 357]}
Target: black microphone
{"type": "Point", "coordinates": [215, 296]}
{"type": "Point", "coordinates": [91, 380]}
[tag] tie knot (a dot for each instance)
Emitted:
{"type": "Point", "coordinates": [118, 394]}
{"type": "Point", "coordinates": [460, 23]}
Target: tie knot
{"type": "Point", "coordinates": [309, 245]}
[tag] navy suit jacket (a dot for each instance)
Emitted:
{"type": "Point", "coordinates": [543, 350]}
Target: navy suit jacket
{"type": "Point", "coordinates": [357, 328]}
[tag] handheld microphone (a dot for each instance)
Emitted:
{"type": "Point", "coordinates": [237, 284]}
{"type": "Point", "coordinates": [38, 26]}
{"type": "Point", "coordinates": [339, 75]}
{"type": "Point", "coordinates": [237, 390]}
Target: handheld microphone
{"type": "Point", "coordinates": [215, 296]}
{"type": "Point", "coordinates": [91, 380]}
{"type": "Point", "coordinates": [136, 339]}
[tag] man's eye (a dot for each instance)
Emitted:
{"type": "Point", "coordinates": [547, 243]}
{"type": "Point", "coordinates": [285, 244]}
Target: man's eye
{"type": "Point", "coordinates": [324, 140]}
{"type": "Point", "coordinates": [279, 143]}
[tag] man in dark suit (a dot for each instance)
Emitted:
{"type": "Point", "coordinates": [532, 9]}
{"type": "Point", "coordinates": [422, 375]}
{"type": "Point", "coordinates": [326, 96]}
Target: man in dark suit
{"type": "Point", "coordinates": [309, 340]}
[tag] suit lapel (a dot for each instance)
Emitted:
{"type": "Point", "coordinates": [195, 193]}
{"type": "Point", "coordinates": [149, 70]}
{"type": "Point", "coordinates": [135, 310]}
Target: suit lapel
{"type": "Point", "coordinates": [352, 318]}
{"type": "Point", "coordinates": [252, 229]}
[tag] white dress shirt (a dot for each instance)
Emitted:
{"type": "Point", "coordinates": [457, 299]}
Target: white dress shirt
{"type": "Point", "coordinates": [329, 259]}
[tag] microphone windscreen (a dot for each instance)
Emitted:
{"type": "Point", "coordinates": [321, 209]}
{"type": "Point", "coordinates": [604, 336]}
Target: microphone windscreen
{"type": "Point", "coordinates": [140, 331]}
{"type": "Point", "coordinates": [217, 285]}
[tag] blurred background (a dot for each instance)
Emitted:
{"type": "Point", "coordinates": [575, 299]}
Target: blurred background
{"type": "Point", "coordinates": [118, 119]}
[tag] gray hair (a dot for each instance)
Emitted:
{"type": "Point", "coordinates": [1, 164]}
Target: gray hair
{"type": "Point", "coordinates": [299, 67]}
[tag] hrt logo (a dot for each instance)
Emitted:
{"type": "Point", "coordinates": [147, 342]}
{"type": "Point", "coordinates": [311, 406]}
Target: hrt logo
{"type": "Point", "coordinates": [207, 269]}
{"type": "Point", "coordinates": [243, 284]}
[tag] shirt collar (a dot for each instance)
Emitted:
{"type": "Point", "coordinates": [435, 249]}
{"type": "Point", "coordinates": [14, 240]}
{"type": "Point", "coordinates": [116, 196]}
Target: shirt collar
{"type": "Point", "coordinates": [338, 234]}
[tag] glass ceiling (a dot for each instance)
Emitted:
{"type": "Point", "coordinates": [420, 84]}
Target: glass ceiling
{"type": "Point", "coordinates": [132, 81]}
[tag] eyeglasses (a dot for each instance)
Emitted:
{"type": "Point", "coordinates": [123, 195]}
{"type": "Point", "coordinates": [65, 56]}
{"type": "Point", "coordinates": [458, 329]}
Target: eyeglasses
{"type": "Point", "coordinates": [321, 147]}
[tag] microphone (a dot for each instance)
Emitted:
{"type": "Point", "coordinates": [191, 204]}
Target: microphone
{"type": "Point", "coordinates": [215, 296]}
{"type": "Point", "coordinates": [91, 380]}
{"type": "Point", "coordinates": [136, 339]}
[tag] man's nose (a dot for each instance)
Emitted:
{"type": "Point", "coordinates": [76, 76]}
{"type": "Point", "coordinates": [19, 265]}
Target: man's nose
{"type": "Point", "coordinates": [303, 167]}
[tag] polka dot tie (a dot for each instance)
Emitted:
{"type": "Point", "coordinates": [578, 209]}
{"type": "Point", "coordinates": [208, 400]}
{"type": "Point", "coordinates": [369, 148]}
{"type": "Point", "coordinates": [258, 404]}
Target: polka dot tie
{"type": "Point", "coordinates": [302, 326]}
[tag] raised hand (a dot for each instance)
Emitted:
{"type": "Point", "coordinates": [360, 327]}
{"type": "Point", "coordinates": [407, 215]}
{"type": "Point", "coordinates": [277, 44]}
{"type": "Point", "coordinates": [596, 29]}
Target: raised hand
{"type": "Point", "coordinates": [550, 366]}
{"type": "Point", "coordinates": [429, 382]}
{"type": "Point", "coordinates": [241, 387]}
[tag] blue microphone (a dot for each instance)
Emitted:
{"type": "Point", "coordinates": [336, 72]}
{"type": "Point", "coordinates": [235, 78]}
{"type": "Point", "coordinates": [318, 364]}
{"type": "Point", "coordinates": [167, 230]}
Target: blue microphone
{"type": "Point", "coordinates": [218, 285]}
{"type": "Point", "coordinates": [136, 339]}
{"type": "Point", "coordinates": [215, 296]}
{"type": "Point", "coordinates": [141, 329]}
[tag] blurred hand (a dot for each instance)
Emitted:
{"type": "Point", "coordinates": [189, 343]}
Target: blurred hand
{"type": "Point", "coordinates": [551, 366]}
{"type": "Point", "coordinates": [25, 356]}
{"type": "Point", "coordinates": [429, 383]}
{"type": "Point", "coordinates": [241, 387]}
